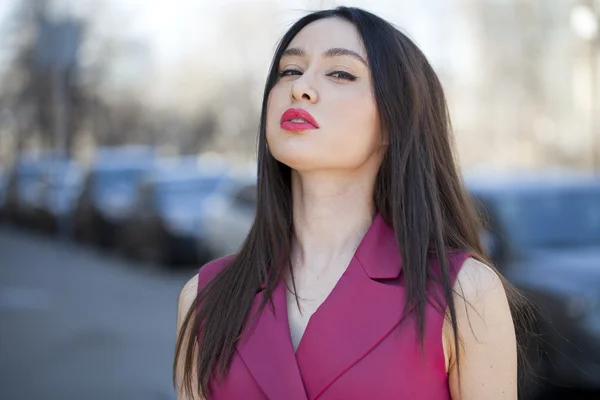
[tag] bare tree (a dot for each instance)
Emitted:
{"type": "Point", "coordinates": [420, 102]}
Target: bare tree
{"type": "Point", "coordinates": [29, 87]}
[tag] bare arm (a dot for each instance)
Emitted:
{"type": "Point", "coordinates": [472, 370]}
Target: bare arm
{"type": "Point", "coordinates": [488, 358]}
{"type": "Point", "coordinates": [186, 297]}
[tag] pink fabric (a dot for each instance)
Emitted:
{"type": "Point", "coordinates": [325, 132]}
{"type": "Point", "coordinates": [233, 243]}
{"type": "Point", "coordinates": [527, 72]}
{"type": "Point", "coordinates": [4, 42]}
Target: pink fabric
{"type": "Point", "coordinates": [357, 345]}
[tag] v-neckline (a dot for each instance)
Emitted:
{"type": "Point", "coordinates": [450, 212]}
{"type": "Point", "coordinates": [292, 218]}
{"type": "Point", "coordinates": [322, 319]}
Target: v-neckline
{"type": "Point", "coordinates": [318, 310]}
{"type": "Point", "coordinates": [331, 292]}
{"type": "Point", "coordinates": [341, 330]}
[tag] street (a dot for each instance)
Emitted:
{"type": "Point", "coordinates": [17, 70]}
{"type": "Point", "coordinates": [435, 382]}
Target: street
{"type": "Point", "coordinates": [77, 324]}
{"type": "Point", "coordinates": [81, 325]}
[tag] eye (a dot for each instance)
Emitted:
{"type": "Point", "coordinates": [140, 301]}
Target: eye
{"type": "Point", "coordinates": [289, 72]}
{"type": "Point", "coordinates": [342, 75]}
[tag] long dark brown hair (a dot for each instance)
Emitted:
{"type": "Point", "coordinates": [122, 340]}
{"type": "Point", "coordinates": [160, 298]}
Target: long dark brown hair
{"type": "Point", "coordinates": [418, 192]}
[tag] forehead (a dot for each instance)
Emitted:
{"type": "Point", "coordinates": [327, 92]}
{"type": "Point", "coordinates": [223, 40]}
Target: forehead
{"type": "Point", "coordinates": [328, 33]}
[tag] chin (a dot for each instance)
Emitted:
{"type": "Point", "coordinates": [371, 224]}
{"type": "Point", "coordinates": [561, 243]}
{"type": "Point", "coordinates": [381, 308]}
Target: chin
{"type": "Point", "coordinates": [298, 160]}
{"type": "Point", "coordinates": [303, 161]}
{"type": "Point", "coordinates": [293, 149]}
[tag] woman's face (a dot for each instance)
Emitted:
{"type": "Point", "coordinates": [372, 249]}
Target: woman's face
{"type": "Point", "coordinates": [324, 72]}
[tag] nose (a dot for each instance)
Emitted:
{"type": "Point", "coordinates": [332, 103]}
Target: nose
{"type": "Point", "coordinates": [301, 90]}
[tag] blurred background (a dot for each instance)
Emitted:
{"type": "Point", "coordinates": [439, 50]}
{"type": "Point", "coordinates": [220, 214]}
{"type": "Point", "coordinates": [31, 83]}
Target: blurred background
{"type": "Point", "coordinates": [127, 159]}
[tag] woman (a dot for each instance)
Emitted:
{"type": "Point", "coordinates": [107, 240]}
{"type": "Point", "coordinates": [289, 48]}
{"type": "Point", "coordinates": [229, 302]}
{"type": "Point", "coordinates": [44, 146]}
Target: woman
{"type": "Point", "coordinates": [362, 276]}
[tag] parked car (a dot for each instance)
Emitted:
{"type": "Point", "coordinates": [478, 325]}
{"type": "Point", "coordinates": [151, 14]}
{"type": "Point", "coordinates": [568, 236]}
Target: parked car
{"type": "Point", "coordinates": [165, 225]}
{"type": "Point", "coordinates": [24, 184]}
{"type": "Point", "coordinates": [30, 201]}
{"type": "Point", "coordinates": [544, 234]}
{"type": "Point", "coordinates": [62, 183]}
{"type": "Point", "coordinates": [106, 199]}
{"type": "Point", "coordinates": [230, 216]}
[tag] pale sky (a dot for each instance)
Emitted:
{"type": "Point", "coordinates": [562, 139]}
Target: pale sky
{"type": "Point", "coordinates": [169, 27]}
{"type": "Point", "coordinates": [166, 22]}
{"type": "Point", "coordinates": [170, 33]}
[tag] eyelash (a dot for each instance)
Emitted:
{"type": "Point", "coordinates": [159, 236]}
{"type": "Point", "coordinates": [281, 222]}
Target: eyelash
{"type": "Point", "coordinates": [341, 74]}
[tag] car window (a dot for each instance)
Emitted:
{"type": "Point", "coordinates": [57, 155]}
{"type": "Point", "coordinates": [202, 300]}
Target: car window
{"type": "Point", "coordinates": [552, 218]}
{"type": "Point", "coordinates": [110, 178]}
{"type": "Point", "coordinates": [187, 193]}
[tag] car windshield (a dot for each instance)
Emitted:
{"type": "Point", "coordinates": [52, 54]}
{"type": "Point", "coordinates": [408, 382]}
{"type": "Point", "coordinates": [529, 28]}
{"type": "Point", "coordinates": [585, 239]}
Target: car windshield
{"type": "Point", "coordinates": [552, 218]}
{"type": "Point", "coordinates": [117, 177]}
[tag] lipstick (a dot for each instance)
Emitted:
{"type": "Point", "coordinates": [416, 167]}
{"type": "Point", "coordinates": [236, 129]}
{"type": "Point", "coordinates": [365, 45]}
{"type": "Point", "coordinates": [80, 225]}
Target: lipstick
{"type": "Point", "coordinates": [298, 120]}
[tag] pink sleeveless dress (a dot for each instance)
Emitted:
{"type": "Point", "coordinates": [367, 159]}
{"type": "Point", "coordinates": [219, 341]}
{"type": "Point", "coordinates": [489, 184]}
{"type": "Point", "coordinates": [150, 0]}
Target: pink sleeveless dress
{"type": "Point", "coordinates": [357, 345]}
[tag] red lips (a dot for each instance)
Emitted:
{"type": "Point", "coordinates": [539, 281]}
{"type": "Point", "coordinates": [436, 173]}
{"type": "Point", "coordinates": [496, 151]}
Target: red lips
{"type": "Point", "coordinates": [298, 113]}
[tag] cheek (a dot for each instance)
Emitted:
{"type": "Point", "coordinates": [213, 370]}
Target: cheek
{"type": "Point", "coordinates": [279, 96]}
{"type": "Point", "coordinates": [357, 122]}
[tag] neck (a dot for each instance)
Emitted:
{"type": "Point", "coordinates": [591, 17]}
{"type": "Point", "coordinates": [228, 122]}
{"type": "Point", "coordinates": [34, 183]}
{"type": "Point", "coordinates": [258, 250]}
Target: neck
{"type": "Point", "coordinates": [331, 214]}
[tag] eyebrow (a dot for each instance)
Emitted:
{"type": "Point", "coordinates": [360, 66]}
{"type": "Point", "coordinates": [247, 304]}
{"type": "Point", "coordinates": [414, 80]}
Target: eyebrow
{"type": "Point", "coordinates": [333, 52]}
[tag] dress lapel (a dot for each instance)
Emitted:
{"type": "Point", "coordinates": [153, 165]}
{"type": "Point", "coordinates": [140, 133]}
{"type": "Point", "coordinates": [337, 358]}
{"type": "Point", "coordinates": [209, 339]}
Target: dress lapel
{"type": "Point", "coordinates": [363, 308]}
{"type": "Point", "coordinates": [266, 350]}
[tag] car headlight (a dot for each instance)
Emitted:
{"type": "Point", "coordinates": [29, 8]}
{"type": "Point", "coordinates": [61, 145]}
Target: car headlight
{"type": "Point", "coordinates": [116, 206]}
{"type": "Point", "coordinates": [181, 223]}
{"type": "Point", "coordinates": [116, 212]}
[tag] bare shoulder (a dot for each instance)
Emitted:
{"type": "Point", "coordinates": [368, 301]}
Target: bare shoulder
{"type": "Point", "coordinates": [480, 300]}
{"type": "Point", "coordinates": [477, 287]}
{"type": "Point", "coordinates": [477, 281]}
{"type": "Point", "coordinates": [187, 295]}
{"type": "Point", "coordinates": [186, 300]}
{"type": "Point", "coordinates": [488, 353]}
